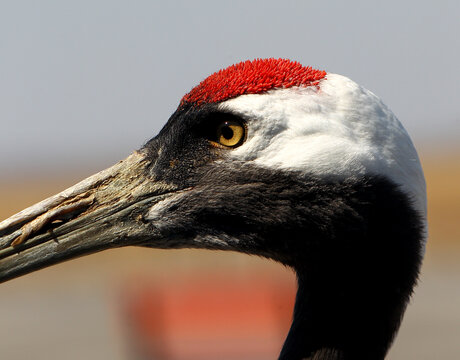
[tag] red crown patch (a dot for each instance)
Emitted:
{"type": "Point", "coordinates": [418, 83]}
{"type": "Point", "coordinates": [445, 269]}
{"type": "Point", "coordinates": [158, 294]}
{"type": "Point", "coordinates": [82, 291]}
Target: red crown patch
{"type": "Point", "coordinates": [252, 77]}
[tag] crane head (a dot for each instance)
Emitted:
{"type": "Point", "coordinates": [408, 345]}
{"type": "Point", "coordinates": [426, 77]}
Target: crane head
{"type": "Point", "coordinates": [227, 170]}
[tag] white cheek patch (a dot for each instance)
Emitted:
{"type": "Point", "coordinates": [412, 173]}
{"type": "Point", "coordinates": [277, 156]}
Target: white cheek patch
{"type": "Point", "coordinates": [338, 129]}
{"type": "Point", "coordinates": [159, 211]}
{"type": "Point", "coordinates": [161, 215]}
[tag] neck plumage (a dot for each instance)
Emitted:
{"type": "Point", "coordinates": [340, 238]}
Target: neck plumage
{"type": "Point", "coordinates": [355, 280]}
{"type": "Point", "coordinates": [334, 324]}
{"type": "Point", "coordinates": [352, 293]}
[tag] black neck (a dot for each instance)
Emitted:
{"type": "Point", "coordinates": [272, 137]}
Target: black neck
{"type": "Point", "coordinates": [333, 324]}
{"type": "Point", "coordinates": [354, 280]}
{"type": "Point", "coordinates": [351, 300]}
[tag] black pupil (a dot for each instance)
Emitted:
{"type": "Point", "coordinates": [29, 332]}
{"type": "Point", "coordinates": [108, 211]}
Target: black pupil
{"type": "Point", "coordinates": [227, 132]}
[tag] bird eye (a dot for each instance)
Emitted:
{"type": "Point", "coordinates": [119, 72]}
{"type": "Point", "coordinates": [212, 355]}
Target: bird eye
{"type": "Point", "coordinates": [230, 133]}
{"type": "Point", "coordinates": [221, 129]}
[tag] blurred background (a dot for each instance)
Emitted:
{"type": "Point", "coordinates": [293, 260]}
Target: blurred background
{"type": "Point", "coordinates": [82, 84]}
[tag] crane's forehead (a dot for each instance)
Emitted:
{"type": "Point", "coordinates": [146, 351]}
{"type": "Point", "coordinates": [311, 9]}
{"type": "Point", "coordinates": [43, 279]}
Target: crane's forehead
{"type": "Point", "coordinates": [252, 77]}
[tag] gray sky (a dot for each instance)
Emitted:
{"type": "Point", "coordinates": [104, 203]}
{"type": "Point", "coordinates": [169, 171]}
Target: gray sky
{"type": "Point", "coordinates": [84, 83]}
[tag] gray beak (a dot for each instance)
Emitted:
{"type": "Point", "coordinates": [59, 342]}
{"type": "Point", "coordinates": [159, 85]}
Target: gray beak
{"type": "Point", "coordinates": [103, 211]}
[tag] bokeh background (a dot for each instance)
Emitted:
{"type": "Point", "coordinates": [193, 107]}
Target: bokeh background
{"type": "Point", "coordinates": [84, 83]}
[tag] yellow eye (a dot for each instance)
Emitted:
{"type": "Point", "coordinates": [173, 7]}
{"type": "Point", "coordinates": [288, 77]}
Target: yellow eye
{"type": "Point", "coordinates": [230, 133]}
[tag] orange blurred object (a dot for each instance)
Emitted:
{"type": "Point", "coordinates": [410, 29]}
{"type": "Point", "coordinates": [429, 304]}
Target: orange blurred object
{"type": "Point", "coordinates": [211, 318]}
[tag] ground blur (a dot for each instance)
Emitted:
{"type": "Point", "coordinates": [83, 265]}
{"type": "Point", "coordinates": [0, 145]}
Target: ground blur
{"type": "Point", "coordinates": [85, 308]}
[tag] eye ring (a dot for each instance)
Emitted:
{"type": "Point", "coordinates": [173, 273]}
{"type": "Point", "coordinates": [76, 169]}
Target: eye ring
{"type": "Point", "coordinates": [230, 133]}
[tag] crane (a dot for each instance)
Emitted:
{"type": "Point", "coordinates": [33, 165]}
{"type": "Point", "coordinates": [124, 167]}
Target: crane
{"type": "Point", "coordinates": [271, 158]}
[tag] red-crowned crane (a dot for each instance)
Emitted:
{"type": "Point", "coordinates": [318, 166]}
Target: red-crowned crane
{"type": "Point", "coordinates": [271, 158]}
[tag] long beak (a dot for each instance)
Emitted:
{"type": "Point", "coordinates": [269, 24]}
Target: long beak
{"type": "Point", "coordinates": [103, 211]}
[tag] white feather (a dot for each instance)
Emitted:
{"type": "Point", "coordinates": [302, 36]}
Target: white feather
{"type": "Point", "coordinates": [338, 129]}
